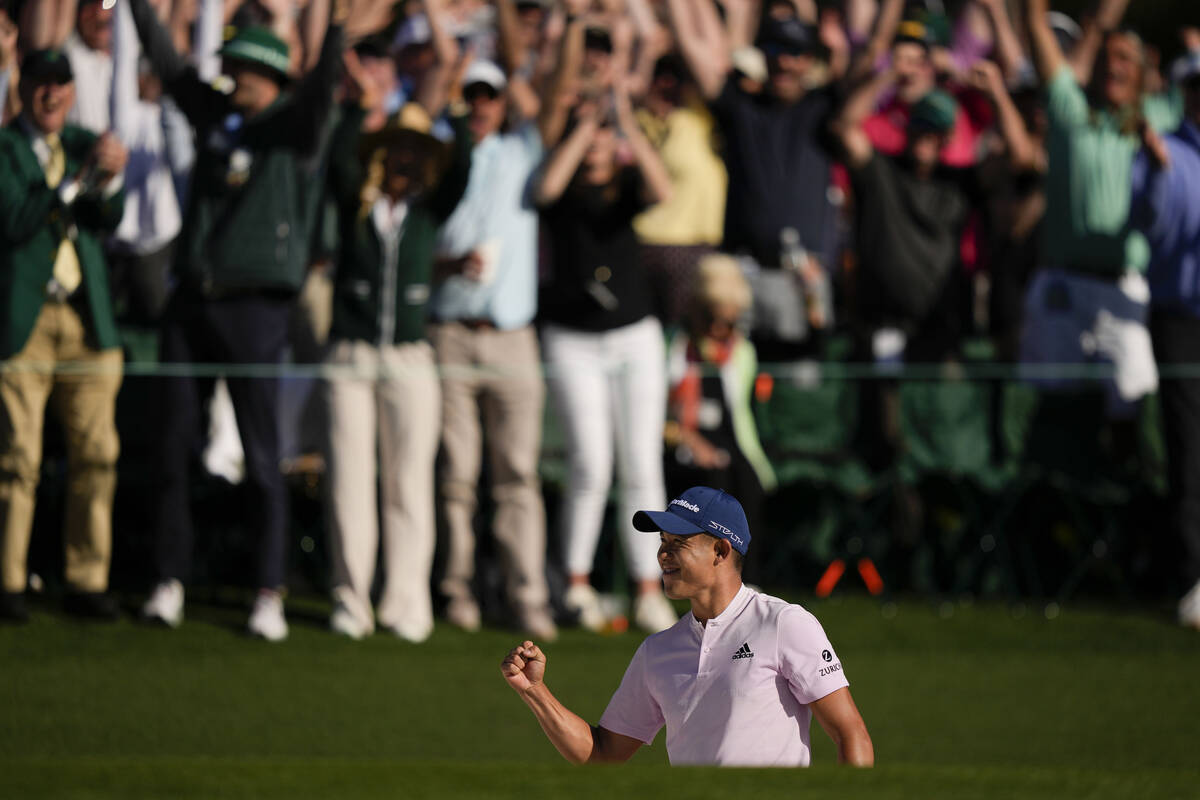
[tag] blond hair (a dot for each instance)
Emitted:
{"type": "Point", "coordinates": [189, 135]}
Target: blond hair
{"type": "Point", "coordinates": [719, 279]}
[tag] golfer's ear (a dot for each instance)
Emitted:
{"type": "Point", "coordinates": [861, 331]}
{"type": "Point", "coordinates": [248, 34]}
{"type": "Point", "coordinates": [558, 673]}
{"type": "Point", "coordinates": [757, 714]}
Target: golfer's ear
{"type": "Point", "coordinates": [722, 548]}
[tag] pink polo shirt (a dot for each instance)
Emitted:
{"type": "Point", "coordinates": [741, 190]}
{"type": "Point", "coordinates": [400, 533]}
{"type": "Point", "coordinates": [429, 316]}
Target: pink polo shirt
{"type": "Point", "coordinates": [734, 692]}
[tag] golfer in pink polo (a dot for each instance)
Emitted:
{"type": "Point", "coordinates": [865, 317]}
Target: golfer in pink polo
{"type": "Point", "coordinates": [736, 682]}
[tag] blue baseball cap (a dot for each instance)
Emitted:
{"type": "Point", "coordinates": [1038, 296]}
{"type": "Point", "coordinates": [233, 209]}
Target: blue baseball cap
{"type": "Point", "coordinates": [700, 510]}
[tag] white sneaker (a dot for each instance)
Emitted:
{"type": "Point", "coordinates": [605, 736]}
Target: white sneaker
{"type": "Point", "coordinates": [583, 600]}
{"type": "Point", "coordinates": [653, 612]}
{"type": "Point", "coordinates": [1189, 608]}
{"type": "Point", "coordinates": [165, 604]}
{"type": "Point", "coordinates": [410, 632]}
{"type": "Point", "coordinates": [266, 620]}
{"type": "Point", "coordinates": [342, 622]}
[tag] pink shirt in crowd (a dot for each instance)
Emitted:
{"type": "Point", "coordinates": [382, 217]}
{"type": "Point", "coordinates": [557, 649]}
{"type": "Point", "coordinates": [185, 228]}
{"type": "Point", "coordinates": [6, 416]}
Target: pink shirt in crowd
{"type": "Point", "coordinates": [888, 129]}
{"type": "Point", "coordinates": [734, 692]}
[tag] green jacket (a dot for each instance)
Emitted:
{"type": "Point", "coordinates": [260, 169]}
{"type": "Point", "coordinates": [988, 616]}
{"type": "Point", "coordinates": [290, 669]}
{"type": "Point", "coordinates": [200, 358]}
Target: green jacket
{"type": "Point", "coordinates": [33, 222]}
{"type": "Point", "coordinates": [254, 185]}
{"type": "Point", "coordinates": [370, 294]}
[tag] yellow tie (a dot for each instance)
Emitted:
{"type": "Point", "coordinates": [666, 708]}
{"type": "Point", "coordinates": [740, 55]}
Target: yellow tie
{"type": "Point", "coordinates": [66, 260]}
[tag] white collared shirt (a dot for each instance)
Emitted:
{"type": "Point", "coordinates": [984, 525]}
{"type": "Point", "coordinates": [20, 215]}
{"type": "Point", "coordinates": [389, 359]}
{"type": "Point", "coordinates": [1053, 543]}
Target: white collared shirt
{"type": "Point", "coordinates": [733, 692]}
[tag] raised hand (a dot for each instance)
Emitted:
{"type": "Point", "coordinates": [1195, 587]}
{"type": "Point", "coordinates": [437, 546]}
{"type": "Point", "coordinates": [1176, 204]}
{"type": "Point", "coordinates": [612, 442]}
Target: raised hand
{"type": "Point", "coordinates": [109, 156]}
{"type": "Point", "coordinates": [279, 9]}
{"type": "Point", "coordinates": [362, 87]}
{"type": "Point", "coordinates": [987, 78]}
{"type": "Point", "coordinates": [8, 41]}
{"type": "Point", "coordinates": [524, 667]}
{"type": "Point", "coordinates": [577, 8]}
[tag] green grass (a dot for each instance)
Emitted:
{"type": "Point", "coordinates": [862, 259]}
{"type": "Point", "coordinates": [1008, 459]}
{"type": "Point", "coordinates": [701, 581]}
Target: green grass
{"type": "Point", "coordinates": [1094, 703]}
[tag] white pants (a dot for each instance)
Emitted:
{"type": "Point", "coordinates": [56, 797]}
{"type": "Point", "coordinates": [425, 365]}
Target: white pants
{"type": "Point", "coordinates": [393, 422]}
{"type": "Point", "coordinates": [610, 389]}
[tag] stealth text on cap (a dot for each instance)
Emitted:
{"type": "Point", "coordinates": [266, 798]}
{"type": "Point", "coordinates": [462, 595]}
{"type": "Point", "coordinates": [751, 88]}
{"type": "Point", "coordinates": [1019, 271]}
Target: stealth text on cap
{"type": "Point", "coordinates": [716, 526]}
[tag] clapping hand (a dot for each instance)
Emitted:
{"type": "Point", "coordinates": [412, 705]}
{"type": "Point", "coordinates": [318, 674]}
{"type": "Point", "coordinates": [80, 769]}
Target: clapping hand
{"type": "Point", "coordinates": [109, 157]}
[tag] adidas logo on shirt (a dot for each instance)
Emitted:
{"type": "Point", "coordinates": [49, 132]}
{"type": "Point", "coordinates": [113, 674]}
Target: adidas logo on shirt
{"type": "Point", "coordinates": [743, 652]}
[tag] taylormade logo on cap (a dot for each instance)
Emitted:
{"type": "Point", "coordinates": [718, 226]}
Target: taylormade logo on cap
{"type": "Point", "coordinates": [710, 511]}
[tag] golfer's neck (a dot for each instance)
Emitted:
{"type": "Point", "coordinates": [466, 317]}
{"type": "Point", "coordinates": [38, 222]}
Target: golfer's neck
{"type": "Point", "coordinates": [712, 600]}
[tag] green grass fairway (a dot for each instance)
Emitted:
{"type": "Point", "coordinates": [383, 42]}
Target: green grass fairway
{"type": "Point", "coordinates": [977, 704]}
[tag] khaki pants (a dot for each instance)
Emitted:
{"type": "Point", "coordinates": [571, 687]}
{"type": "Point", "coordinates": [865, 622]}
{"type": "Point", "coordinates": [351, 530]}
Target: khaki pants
{"type": "Point", "coordinates": [85, 405]}
{"type": "Point", "coordinates": [497, 373]}
{"type": "Point", "coordinates": [393, 422]}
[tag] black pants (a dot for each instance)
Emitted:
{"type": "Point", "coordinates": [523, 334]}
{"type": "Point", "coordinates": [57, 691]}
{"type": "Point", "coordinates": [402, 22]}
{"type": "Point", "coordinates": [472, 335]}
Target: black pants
{"type": "Point", "coordinates": [140, 286]}
{"type": "Point", "coordinates": [246, 329]}
{"type": "Point", "coordinates": [1177, 341]}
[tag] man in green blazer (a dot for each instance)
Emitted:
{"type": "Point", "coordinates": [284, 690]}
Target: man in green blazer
{"type": "Point", "coordinates": [60, 194]}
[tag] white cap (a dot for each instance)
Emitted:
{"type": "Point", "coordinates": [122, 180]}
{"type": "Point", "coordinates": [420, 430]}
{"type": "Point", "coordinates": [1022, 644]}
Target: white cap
{"type": "Point", "coordinates": [485, 72]}
{"type": "Point", "coordinates": [414, 31]}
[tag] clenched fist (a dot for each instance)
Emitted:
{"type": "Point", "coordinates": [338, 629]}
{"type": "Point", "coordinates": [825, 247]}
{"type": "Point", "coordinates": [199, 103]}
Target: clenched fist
{"type": "Point", "coordinates": [524, 667]}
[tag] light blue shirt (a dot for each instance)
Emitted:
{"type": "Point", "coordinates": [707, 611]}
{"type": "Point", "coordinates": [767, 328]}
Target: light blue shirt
{"type": "Point", "coordinates": [496, 215]}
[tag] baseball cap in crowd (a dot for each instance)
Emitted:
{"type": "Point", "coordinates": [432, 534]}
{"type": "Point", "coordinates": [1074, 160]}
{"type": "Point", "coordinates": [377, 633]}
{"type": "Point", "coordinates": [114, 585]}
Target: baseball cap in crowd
{"type": "Point", "coordinates": [256, 44]}
{"type": "Point", "coordinates": [484, 72]}
{"type": "Point", "coordinates": [1186, 69]}
{"type": "Point", "coordinates": [1066, 30]}
{"type": "Point", "coordinates": [46, 66]}
{"type": "Point", "coordinates": [789, 36]}
{"type": "Point", "coordinates": [935, 112]}
{"type": "Point", "coordinates": [914, 31]}
{"type": "Point", "coordinates": [597, 39]}
{"type": "Point", "coordinates": [413, 33]}
{"type": "Point", "coordinates": [375, 46]}
{"type": "Point", "coordinates": [700, 510]}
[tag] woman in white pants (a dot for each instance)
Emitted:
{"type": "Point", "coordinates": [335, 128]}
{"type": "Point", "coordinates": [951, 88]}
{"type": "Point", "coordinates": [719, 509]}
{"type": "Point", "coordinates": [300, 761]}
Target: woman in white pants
{"type": "Point", "coordinates": [605, 352]}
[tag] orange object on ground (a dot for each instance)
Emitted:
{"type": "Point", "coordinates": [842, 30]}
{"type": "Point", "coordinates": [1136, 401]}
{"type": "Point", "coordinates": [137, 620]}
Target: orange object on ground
{"type": "Point", "coordinates": [870, 576]}
{"type": "Point", "coordinates": [833, 574]}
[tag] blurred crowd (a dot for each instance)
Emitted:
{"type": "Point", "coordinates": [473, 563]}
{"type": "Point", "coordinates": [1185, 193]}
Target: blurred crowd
{"type": "Point", "coordinates": [459, 207]}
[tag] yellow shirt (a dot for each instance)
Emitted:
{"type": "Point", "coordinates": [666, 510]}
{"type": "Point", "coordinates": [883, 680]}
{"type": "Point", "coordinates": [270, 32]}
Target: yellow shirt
{"type": "Point", "coordinates": [695, 214]}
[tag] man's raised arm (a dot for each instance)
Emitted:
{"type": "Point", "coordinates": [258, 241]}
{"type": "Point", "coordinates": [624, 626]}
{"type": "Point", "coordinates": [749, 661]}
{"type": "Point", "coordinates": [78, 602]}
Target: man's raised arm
{"type": "Point", "coordinates": [524, 668]}
{"type": "Point", "coordinates": [703, 42]}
